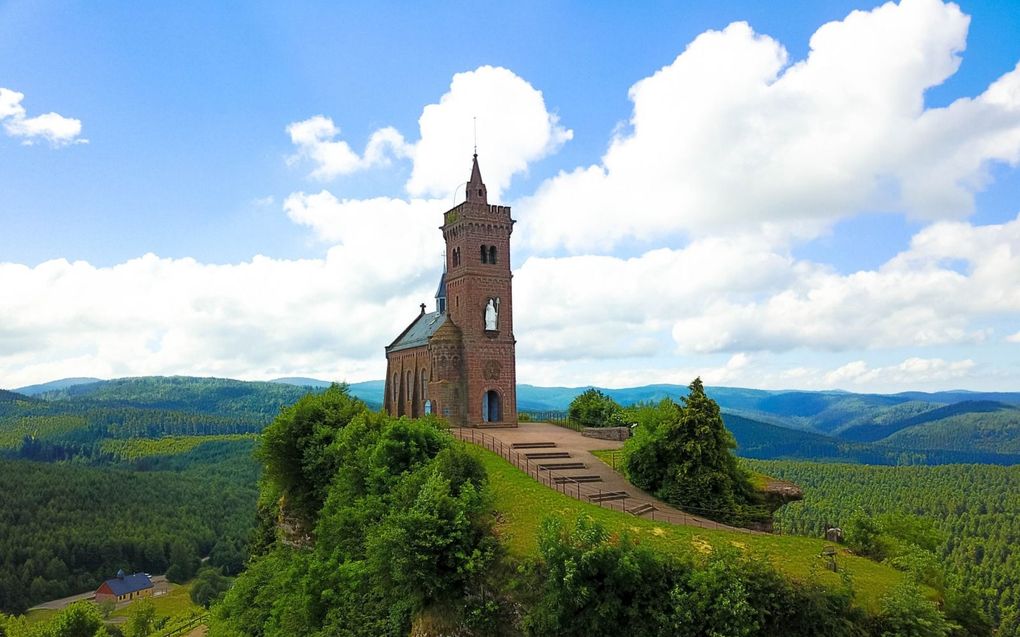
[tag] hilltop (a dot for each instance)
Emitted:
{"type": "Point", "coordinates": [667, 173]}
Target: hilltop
{"type": "Point", "coordinates": [907, 428]}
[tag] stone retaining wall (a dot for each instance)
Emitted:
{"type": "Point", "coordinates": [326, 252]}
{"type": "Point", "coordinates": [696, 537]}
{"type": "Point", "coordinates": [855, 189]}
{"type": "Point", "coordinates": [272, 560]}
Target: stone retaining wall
{"type": "Point", "coordinates": [607, 433]}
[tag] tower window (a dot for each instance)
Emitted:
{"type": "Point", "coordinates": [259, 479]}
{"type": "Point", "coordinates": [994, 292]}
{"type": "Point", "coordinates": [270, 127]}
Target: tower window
{"type": "Point", "coordinates": [492, 254]}
{"type": "Point", "coordinates": [485, 254]}
{"type": "Point", "coordinates": [410, 386]}
{"type": "Point", "coordinates": [395, 388]}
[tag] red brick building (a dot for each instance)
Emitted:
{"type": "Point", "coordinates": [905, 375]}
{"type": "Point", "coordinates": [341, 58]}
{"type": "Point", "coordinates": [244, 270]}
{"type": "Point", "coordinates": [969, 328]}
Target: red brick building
{"type": "Point", "coordinates": [125, 588]}
{"type": "Point", "coordinates": [458, 361]}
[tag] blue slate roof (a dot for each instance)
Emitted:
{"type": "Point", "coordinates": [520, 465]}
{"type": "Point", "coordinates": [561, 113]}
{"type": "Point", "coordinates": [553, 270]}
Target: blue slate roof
{"type": "Point", "coordinates": [129, 584]}
{"type": "Point", "coordinates": [419, 332]}
{"type": "Point", "coordinates": [441, 292]}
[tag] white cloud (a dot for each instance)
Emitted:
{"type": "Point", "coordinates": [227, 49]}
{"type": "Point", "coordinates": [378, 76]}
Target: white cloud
{"type": "Point", "coordinates": [514, 129]}
{"type": "Point", "coordinates": [1015, 338]}
{"type": "Point", "coordinates": [721, 295]}
{"type": "Point", "coordinates": [263, 318]}
{"type": "Point", "coordinates": [912, 372]}
{"type": "Point", "coordinates": [388, 245]}
{"type": "Point", "coordinates": [55, 129]}
{"type": "Point", "coordinates": [729, 135]}
{"type": "Point", "coordinates": [316, 140]}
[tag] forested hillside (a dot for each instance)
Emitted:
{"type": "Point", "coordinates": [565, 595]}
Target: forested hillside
{"type": "Point", "coordinates": [137, 474]}
{"type": "Point", "coordinates": [975, 508]}
{"type": "Point", "coordinates": [65, 528]}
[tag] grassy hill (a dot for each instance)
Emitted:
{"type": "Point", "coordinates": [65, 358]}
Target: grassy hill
{"type": "Point", "coordinates": [523, 503]}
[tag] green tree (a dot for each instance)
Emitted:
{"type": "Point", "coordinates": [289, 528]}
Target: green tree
{"type": "Point", "coordinates": [686, 457]}
{"type": "Point", "coordinates": [209, 586]}
{"type": "Point", "coordinates": [592, 408]}
{"type": "Point", "coordinates": [141, 619]}
{"type": "Point", "coordinates": [296, 452]}
{"type": "Point", "coordinates": [80, 619]}
{"type": "Point", "coordinates": [906, 613]}
{"type": "Point", "coordinates": [184, 562]}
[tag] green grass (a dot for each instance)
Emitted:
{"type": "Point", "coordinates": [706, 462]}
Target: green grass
{"type": "Point", "coordinates": [611, 457]}
{"type": "Point", "coordinates": [523, 503]}
{"type": "Point", "coordinates": [136, 448]}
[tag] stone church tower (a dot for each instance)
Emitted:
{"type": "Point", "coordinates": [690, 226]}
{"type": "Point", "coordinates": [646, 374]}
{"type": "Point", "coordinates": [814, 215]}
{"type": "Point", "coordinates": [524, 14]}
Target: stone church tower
{"type": "Point", "coordinates": [458, 361]}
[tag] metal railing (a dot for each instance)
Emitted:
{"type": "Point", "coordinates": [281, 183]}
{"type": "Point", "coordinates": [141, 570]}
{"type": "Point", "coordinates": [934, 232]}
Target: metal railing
{"type": "Point", "coordinates": [568, 485]}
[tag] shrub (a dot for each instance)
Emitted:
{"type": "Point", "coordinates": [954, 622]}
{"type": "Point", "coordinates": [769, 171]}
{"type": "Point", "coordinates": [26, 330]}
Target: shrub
{"type": "Point", "coordinates": [592, 408]}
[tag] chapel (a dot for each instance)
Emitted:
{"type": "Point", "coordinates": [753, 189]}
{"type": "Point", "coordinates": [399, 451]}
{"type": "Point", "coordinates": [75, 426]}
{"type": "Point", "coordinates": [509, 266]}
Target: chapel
{"type": "Point", "coordinates": [458, 361]}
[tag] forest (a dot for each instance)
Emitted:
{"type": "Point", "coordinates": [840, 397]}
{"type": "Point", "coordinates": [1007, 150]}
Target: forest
{"type": "Point", "coordinates": [91, 486]}
{"type": "Point", "coordinates": [973, 508]}
{"type": "Point", "coordinates": [65, 528]}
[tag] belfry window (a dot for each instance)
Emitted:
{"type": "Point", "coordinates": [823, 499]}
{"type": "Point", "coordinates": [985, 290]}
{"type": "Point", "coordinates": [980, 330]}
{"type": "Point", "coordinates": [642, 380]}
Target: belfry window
{"type": "Point", "coordinates": [485, 254]}
{"type": "Point", "coordinates": [492, 254]}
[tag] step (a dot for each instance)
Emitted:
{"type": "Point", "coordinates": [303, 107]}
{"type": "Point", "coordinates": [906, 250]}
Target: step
{"type": "Point", "coordinates": [533, 445]}
{"type": "Point", "coordinates": [608, 495]}
{"type": "Point", "coordinates": [547, 455]}
{"type": "Point", "coordinates": [573, 479]}
{"type": "Point", "coordinates": [642, 509]}
{"type": "Point", "coordinates": [560, 466]}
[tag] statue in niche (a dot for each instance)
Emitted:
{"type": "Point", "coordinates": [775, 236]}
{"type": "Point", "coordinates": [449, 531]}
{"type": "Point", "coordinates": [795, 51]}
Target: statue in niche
{"type": "Point", "coordinates": [492, 314]}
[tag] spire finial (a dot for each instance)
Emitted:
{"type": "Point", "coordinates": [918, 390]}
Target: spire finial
{"type": "Point", "coordinates": [474, 124]}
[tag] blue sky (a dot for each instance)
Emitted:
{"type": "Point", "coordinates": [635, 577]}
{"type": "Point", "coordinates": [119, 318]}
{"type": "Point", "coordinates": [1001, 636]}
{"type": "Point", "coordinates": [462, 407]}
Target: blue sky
{"type": "Point", "coordinates": [191, 156]}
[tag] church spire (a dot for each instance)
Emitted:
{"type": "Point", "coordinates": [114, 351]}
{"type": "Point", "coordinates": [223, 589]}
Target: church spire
{"type": "Point", "coordinates": [476, 187]}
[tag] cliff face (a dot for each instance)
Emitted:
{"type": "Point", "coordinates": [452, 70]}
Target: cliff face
{"type": "Point", "coordinates": [775, 494]}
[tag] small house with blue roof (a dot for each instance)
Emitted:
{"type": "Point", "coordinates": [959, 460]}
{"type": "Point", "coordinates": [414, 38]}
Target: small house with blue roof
{"type": "Point", "coordinates": [125, 588]}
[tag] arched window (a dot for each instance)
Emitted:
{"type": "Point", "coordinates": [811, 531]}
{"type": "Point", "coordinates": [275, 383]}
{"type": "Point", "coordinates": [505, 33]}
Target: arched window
{"type": "Point", "coordinates": [485, 254]}
{"type": "Point", "coordinates": [410, 386]}
{"type": "Point", "coordinates": [424, 385]}
{"type": "Point", "coordinates": [395, 388]}
{"type": "Point", "coordinates": [492, 254]}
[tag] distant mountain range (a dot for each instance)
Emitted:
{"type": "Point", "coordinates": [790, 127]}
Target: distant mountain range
{"type": "Point", "coordinates": [910, 427]}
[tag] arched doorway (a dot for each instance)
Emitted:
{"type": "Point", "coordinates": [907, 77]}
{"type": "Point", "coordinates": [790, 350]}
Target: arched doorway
{"type": "Point", "coordinates": [492, 410]}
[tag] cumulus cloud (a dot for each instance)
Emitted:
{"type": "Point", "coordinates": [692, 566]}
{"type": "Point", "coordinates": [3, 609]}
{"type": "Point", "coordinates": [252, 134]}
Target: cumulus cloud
{"type": "Point", "coordinates": [55, 129]}
{"type": "Point", "coordinates": [388, 245]}
{"type": "Point", "coordinates": [913, 371]}
{"type": "Point", "coordinates": [514, 129]}
{"type": "Point", "coordinates": [316, 141]}
{"type": "Point", "coordinates": [731, 135]}
{"type": "Point", "coordinates": [262, 318]}
{"type": "Point", "coordinates": [513, 125]}
{"type": "Point", "coordinates": [1014, 338]}
{"type": "Point", "coordinates": [731, 295]}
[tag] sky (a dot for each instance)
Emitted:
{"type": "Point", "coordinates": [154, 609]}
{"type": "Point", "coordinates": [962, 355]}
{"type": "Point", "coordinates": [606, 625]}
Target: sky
{"type": "Point", "coordinates": [782, 195]}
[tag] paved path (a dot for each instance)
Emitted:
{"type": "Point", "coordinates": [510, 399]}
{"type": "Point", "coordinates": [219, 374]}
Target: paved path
{"type": "Point", "coordinates": [580, 447]}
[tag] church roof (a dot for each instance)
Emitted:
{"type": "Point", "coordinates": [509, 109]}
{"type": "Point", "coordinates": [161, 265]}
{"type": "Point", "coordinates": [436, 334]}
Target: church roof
{"type": "Point", "coordinates": [441, 291]}
{"type": "Point", "coordinates": [419, 332]}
